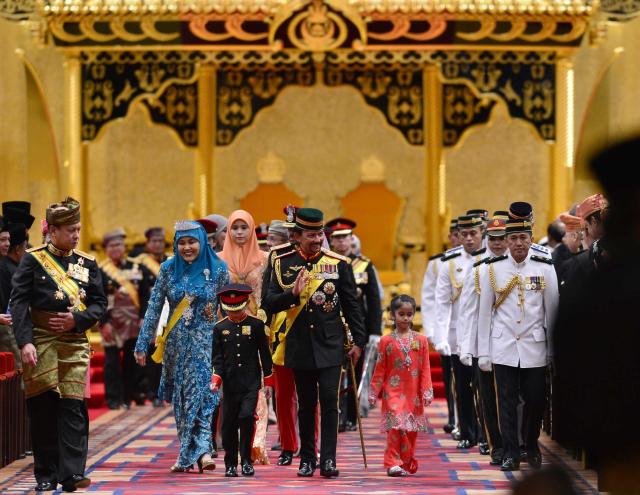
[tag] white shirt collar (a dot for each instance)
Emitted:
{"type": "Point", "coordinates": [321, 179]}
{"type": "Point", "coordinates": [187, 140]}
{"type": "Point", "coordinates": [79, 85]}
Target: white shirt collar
{"type": "Point", "coordinates": [515, 263]}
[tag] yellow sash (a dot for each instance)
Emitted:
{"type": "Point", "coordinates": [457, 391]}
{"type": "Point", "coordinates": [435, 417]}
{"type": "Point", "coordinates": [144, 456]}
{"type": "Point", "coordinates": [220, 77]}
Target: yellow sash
{"type": "Point", "coordinates": [150, 262]}
{"type": "Point", "coordinates": [64, 282]}
{"type": "Point", "coordinates": [291, 314]}
{"type": "Point", "coordinates": [116, 274]}
{"type": "Point", "coordinates": [360, 271]}
{"type": "Point", "coordinates": [162, 339]}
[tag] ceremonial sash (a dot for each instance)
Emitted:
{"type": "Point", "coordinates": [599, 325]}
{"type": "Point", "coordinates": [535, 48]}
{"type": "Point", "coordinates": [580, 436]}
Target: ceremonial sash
{"type": "Point", "coordinates": [116, 274]}
{"type": "Point", "coordinates": [162, 339]}
{"type": "Point", "coordinates": [64, 282]}
{"type": "Point", "coordinates": [359, 267]}
{"type": "Point", "coordinates": [151, 263]}
{"type": "Point", "coordinates": [291, 314]}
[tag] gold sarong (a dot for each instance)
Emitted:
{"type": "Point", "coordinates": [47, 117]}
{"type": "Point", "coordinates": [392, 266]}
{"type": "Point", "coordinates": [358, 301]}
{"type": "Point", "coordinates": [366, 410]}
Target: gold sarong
{"type": "Point", "coordinates": [63, 360]}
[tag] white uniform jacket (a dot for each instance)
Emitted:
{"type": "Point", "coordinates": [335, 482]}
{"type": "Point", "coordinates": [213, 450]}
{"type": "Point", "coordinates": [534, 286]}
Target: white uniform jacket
{"type": "Point", "coordinates": [452, 271]}
{"type": "Point", "coordinates": [428, 296]}
{"type": "Point", "coordinates": [518, 332]}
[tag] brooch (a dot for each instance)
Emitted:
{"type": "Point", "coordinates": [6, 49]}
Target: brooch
{"type": "Point", "coordinates": [318, 298]}
{"type": "Point", "coordinates": [209, 312]}
{"type": "Point", "coordinates": [225, 332]}
{"type": "Point", "coordinates": [329, 288]}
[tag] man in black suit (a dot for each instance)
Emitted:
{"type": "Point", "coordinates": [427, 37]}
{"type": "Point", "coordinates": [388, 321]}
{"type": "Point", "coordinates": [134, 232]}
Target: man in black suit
{"type": "Point", "coordinates": [316, 288]}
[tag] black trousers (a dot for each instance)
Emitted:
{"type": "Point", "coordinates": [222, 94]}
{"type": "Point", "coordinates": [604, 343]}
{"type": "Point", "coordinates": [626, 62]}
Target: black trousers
{"type": "Point", "coordinates": [113, 388]}
{"type": "Point", "coordinates": [488, 407]}
{"type": "Point", "coordinates": [467, 417]}
{"type": "Point", "coordinates": [59, 435]}
{"type": "Point", "coordinates": [239, 412]}
{"type": "Point", "coordinates": [511, 383]}
{"type": "Point", "coordinates": [123, 378]}
{"type": "Point", "coordinates": [347, 399]}
{"type": "Point", "coordinates": [311, 385]}
{"type": "Point", "coordinates": [448, 388]}
{"type": "Point", "coordinates": [153, 372]}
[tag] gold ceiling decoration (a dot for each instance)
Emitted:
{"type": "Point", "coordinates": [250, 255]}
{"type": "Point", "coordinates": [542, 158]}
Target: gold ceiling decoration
{"type": "Point", "coordinates": [494, 7]}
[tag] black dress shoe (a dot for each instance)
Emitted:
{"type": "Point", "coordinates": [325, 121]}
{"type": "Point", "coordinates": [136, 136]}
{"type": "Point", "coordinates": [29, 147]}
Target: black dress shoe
{"type": "Point", "coordinates": [510, 464]}
{"type": "Point", "coordinates": [534, 459]}
{"type": "Point", "coordinates": [328, 469]}
{"type": "Point", "coordinates": [342, 428]}
{"type": "Point", "coordinates": [523, 454]}
{"type": "Point", "coordinates": [484, 449]}
{"type": "Point", "coordinates": [247, 469]}
{"type": "Point", "coordinates": [286, 458]}
{"type": "Point", "coordinates": [448, 428]}
{"type": "Point", "coordinates": [349, 426]}
{"type": "Point", "coordinates": [496, 457]}
{"type": "Point", "coordinates": [231, 472]}
{"type": "Point", "coordinates": [306, 469]}
{"type": "Point", "coordinates": [465, 444]}
{"type": "Point", "coordinates": [157, 402]}
{"type": "Point", "coordinates": [74, 482]}
{"type": "Point", "coordinates": [456, 435]}
{"type": "Point", "coordinates": [46, 486]}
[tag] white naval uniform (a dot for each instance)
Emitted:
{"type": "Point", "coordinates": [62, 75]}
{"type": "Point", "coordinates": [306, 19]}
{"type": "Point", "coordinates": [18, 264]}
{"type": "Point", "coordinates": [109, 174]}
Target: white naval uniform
{"type": "Point", "coordinates": [428, 296]}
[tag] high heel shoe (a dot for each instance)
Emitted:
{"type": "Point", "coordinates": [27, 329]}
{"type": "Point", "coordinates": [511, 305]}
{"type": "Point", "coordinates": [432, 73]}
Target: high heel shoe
{"type": "Point", "coordinates": [206, 464]}
{"type": "Point", "coordinates": [178, 469]}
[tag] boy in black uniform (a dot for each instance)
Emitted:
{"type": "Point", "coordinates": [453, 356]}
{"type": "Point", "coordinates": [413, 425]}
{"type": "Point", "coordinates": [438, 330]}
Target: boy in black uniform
{"type": "Point", "coordinates": [240, 358]}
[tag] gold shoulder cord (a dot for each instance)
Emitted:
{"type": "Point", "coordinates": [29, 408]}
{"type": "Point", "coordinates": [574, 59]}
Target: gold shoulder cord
{"type": "Point", "coordinates": [476, 276]}
{"type": "Point", "coordinates": [456, 286]}
{"type": "Point", "coordinates": [276, 269]}
{"type": "Point", "coordinates": [506, 290]}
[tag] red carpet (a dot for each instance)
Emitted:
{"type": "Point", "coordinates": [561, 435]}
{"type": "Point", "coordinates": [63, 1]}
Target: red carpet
{"type": "Point", "coordinates": [131, 452]}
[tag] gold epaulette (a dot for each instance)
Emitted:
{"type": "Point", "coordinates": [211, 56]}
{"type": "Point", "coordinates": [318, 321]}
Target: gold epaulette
{"type": "Point", "coordinates": [90, 257]}
{"type": "Point", "coordinates": [280, 246]}
{"type": "Point", "coordinates": [284, 254]}
{"type": "Point", "coordinates": [36, 248]}
{"type": "Point", "coordinates": [335, 255]}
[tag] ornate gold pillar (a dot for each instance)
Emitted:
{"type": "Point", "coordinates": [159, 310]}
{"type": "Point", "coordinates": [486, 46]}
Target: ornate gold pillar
{"type": "Point", "coordinates": [75, 184]}
{"type": "Point", "coordinates": [562, 151]}
{"type": "Point", "coordinates": [434, 197]}
{"type": "Point", "coordinates": [204, 171]}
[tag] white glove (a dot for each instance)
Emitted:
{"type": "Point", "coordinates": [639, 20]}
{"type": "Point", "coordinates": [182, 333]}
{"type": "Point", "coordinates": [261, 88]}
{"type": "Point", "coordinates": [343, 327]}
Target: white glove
{"type": "Point", "coordinates": [443, 348]}
{"type": "Point", "coordinates": [484, 363]}
{"type": "Point", "coordinates": [466, 359]}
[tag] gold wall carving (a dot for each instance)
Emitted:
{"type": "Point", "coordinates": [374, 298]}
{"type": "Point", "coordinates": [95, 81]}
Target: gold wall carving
{"type": "Point", "coordinates": [271, 169]}
{"type": "Point", "coordinates": [372, 170]}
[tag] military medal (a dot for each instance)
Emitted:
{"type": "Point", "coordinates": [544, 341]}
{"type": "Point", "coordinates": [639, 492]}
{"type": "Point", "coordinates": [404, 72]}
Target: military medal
{"type": "Point", "coordinates": [329, 288]}
{"type": "Point", "coordinates": [78, 271]}
{"type": "Point", "coordinates": [319, 298]}
{"type": "Point", "coordinates": [83, 294]}
{"type": "Point", "coordinates": [59, 295]}
{"type": "Point", "coordinates": [246, 330]}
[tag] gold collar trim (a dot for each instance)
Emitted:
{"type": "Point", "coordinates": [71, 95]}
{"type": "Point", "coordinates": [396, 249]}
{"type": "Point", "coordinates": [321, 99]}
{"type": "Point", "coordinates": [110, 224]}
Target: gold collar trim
{"type": "Point", "coordinates": [58, 252]}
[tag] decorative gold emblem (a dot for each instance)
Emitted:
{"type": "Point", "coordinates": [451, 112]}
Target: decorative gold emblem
{"type": "Point", "coordinates": [209, 312]}
{"type": "Point", "coordinates": [329, 288]}
{"type": "Point", "coordinates": [83, 294]}
{"type": "Point", "coordinates": [59, 295]}
{"type": "Point", "coordinates": [225, 332]}
{"type": "Point", "coordinates": [319, 298]}
{"type": "Point", "coordinates": [246, 330]}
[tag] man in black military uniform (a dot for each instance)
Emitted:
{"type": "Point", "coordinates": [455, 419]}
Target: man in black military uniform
{"type": "Point", "coordinates": [340, 232]}
{"type": "Point", "coordinates": [121, 279]}
{"type": "Point", "coordinates": [241, 357]}
{"type": "Point", "coordinates": [316, 288]}
{"type": "Point", "coordinates": [57, 296]}
{"type": "Point", "coordinates": [150, 262]}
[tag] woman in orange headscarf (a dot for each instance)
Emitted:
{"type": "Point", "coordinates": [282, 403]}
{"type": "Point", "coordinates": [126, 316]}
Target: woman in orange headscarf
{"type": "Point", "coordinates": [246, 264]}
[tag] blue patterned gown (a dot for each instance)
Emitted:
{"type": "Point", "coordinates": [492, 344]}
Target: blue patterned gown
{"type": "Point", "coordinates": [187, 368]}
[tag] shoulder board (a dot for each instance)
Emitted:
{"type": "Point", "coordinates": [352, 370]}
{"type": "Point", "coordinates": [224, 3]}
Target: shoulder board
{"type": "Point", "coordinates": [453, 250]}
{"type": "Point", "coordinates": [90, 257]}
{"type": "Point", "coordinates": [254, 318]}
{"type": "Point", "coordinates": [497, 258]}
{"type": "Point", "coordinates": [479, 251]}
{"type": "Point", "coordinates": [540, 248]}
{"type": "Point", "coordinates": [436, 256]}
{"type": "Point", "coordinates": [335, 255]}
{"type": "Point", "coordinates": [36, 248]}
{"type": "Point", "coordinates": [548, 261]}
{"type": "Point", "coordinates": [450, 256]}
{"type": "Point", "coordinates": [284, 254]}
{"type": "Point", "coordinates": [280, 246]}
{"type": "Point", "coordinates": [483, 260]}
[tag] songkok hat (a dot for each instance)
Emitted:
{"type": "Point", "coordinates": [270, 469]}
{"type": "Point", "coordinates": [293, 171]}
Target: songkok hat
{"type": "Point", "coordinates": [18, 212]}
{"type": "Point", "coordinates": [469, 221]}
{"type": "Point", "coordinates": [520, 210]}
{"type": "Point", "coordinates": [278, 227]}
{"type": "Point", "coordinates": [340, 226]}
{"type": "Point", "coordinates": [17, 234]}
{"type": "Point", "coordinates": [518, 225]}
{"type": "Point", "coordinates": [261, 234]}
{"type": "Point", "coordinates": [290, 211]}
{"type": "Point", "coordinates": [3, 225]}
{"type": "Point", "coordinates": [154, 232]}
{"type": "Point", "coordinates": [615, 168]}
{"type": "Point", "coordinates": [484, 214]}
{"type": "Point", "coordinates": [309, 219]}
{"type": "Point", "coordinates": [591, 205]}
{"type": "Point", "coordinates": [453, 225]}
{"type": "Point", "coordinates": [571, 223]}
{"type": "Point", "coordinates": [220, 220]}
{"type": "Point", "coordinates": [234, 297]}
{"type": "Point", "coordinates": [496, 227]}
{"type": "Point", "coordinates": [209, 226]}
{"type": "Point", "coordinates": [113, 235]}
{"type": "Point", "coordinates": [500, 215]}
{"type": "Point", "coordinates": [66, 212]}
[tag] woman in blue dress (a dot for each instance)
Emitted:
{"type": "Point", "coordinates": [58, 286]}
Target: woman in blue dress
{"type": "Point", "coordinates": [189, 281]}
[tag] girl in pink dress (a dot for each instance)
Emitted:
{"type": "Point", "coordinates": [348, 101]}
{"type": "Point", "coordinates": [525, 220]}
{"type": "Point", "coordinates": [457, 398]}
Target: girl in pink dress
{"type": "Point", "coordinates": [403, 377]}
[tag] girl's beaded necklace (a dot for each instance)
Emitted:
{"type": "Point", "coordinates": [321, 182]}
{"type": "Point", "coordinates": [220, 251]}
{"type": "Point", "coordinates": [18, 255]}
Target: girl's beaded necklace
{"type": "Point", "coordinates": [405, 346]}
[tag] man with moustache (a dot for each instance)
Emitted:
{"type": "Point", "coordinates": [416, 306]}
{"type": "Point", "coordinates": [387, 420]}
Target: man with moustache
{"type": "Point", "coordinates": [316, 287]}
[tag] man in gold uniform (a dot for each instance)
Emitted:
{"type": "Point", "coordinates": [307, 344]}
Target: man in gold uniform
{"type": "Point", "coordinates": [57, 296]}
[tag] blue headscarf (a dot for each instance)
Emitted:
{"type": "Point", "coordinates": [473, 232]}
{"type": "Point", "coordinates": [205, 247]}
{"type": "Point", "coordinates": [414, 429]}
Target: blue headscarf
{"type": "Point", "coordinates": [206, 264]}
